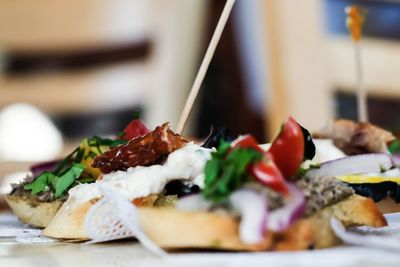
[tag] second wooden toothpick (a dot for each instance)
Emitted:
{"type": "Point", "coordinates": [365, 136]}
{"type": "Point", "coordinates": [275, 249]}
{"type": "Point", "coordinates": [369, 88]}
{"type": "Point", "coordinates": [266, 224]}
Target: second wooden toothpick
{"type": "Point", "coordinates": [355, 20]}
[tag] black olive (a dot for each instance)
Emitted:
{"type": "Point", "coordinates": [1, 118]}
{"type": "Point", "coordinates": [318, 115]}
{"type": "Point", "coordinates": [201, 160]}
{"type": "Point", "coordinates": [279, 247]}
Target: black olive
{"type": "Point", "coordinates": [309, 146]}
{"type": "Point", "coordinates": [180, 189]}
{"type": "Point", "coordinates": [396, 193]}
{"type": "Point", "coordinates": [377, 191]}
{"type": "Point", "coordinates": [216, 135]}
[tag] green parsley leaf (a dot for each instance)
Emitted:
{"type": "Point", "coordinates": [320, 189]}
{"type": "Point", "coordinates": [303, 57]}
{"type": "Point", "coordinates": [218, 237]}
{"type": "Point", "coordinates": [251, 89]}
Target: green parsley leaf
{"type": "Point", "coordinates": [79, 155]}
{"type": "Point", "coordinates": [58, 184]}
{"type": "Point", "coordinates": [394, 147]}
{"type": "Point", "coordinates": [96, 141]}
{"type": "Point", "coordinates": [62, 183]}
{"type": "Point", "coordinates": [41, 183]}
{"type": "Point", "coordinates": [136, 115]}
{"type": "Point", "coordinates": [69, 170]}
{"type": "Point", "coordinates": [211, 170]}
{"type": "Point", "coordinates": [302, 171]}
{"type": "Point", "coordinates": [90, 154]}
{"type": "Point", "coordinates": [65, 164]}
{"type": "Point", "coordinates": [225, 172]}
{"type": "Point", "coordinates": [223, 148]}
{"type": "Point", "coordinates": [85, 180]}
{"type": "Point", "coordinates": [121, 135]}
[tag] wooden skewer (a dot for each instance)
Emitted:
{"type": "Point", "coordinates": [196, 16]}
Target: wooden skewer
{"type": "Point", "coordinates": [355, 20]}
{"type": "Point", "coordinates": [204, 66]}
{"type": "Point", "coordinates": [362, 105]}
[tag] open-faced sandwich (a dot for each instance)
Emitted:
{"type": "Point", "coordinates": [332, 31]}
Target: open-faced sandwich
{"type": "Point", "coordinates": [236, 197]}
{"type": "Point", "coordinates": [364, 143]}
{"type": "Point", "coordinates": [38, 197]}
{"type": "Point", "coordinates": [150, 170]}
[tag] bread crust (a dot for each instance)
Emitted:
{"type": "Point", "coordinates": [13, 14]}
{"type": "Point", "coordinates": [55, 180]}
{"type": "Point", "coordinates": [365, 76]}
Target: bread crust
{"type": "Point", "coordinates": [38, 214]}
{"type": "Point", "coordinates": [316, 232]}
{"type": "Point", "coordinates": [388, 205]}
{"type": "Point", "coordinates": [68, 223]}
{"type": "Point", "coordinates": [173, 229]}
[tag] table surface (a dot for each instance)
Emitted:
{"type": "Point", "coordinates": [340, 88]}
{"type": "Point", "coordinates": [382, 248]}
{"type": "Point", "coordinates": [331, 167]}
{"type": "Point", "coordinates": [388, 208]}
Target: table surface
{"type": "Point", "coordinates": [130, 253]}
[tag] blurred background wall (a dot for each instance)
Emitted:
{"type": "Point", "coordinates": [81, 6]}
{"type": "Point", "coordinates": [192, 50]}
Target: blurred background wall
{"type": "Point", "coordinates": [83, 60]}
{"type": "Point", "coordinates": [88, 65]}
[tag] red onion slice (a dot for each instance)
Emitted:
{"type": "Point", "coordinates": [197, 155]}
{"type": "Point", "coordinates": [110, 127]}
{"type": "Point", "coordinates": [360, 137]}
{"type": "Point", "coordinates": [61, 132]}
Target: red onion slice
{"type": "Point", "coordinates": [193, 203]}
{"type": "Point", "coordinates": [379, 239]}
{"type": "Point", "coordinates": [39, 168]}
{"type": "Point", "coordinates": [396, 159]}
{"type": "Point", "coordinates": [353, 165]}
{"type": "Point", "coordinates": [253, 209]}
{"type": "Point", "coordinates": [293, 209]}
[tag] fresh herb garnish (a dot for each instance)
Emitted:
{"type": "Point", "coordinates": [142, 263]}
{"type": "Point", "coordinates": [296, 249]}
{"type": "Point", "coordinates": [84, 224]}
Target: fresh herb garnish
{"type": "Point", "coordinates": [68, 171]}
{"type": "Point", "coordinates": [85, 180]}
{"type": "Point", "coordinates": [121, 135]}
{"type": "Point", "coordinates": [225, 172]}
{"type": "Point", "coordinates": [394, 147]}
{"type": "Point", "coordinates": [90, 155]}
{"type": "Point", "coordinates": [57, 184]}
{"type": "Point", "coordinates": [61, 184]}
{"type": "Point", "coordinates": [41, 183]}
{"type": "Point", "coordinates": [79, 155]}
{"type": "Point", "coordinates": [136, 115]}
{"type": "Point", "coordinates": [303, 170]}
{"type": "Point", "coordinates": [97, 141]}
{"type": "Point", "coordinates": [65, 164]}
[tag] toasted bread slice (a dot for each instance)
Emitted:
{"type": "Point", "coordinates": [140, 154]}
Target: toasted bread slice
{"type": "Point", "coordinates": [174, 229]}
{"type": "Point", "coordinates": [32, 212]}
{"type": "Point", "coordinates": [388, 205]}
{"type": "Point", "coordinates": [315, 231]}
{"type": "Point", "coordinates": [68, 223]}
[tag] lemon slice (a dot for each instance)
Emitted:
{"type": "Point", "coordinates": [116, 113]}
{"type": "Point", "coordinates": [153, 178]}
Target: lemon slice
{"type": "Point", "coordinates": [364, 179]}
{"type": "Point", "coordinates": [87, 159]}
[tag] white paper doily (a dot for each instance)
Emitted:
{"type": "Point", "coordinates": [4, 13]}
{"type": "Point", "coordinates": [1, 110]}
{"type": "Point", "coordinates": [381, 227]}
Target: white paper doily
{"type": "Point", "coordinates": [114, 217]}
{"type": "Point", "coordinates": [10, 227]}
{"type": "Point", "coordinates": [383, 237]}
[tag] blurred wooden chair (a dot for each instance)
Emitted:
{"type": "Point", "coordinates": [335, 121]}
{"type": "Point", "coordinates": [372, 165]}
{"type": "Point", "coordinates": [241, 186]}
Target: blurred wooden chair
{"type": "Point", "coordinates": [298, 81]}
{"type": "Point", "coordinates": [82, 56]}
{"type": "Point", "coordinates": [309, 66]}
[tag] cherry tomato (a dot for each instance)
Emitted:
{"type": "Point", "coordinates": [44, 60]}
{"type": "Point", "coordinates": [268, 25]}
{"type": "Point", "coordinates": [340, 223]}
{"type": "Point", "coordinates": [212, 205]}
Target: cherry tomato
{"type": "Point", "coordinates": [134, 129]}
{"type": "Point", "coordinates": [267, 173]}
{"type": "Point", "coordinates": [247, 141]}
{"type": "Point", "coordinates": [287, 150]}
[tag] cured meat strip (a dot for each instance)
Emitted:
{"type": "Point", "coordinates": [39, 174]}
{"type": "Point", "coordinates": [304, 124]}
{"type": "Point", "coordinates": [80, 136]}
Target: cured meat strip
{"type": "Point", "coordinates": [356, 137]}
{"type": "Point", "coordinates": [141, 151]}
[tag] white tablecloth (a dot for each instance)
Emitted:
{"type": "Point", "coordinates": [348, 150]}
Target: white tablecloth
{"type": "Point", "coordinates": [129, 253]}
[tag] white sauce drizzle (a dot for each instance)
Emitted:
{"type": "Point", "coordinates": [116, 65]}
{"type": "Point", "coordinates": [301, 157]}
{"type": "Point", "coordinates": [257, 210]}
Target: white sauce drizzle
{"type": "Point", "coordinates": [186, 164]}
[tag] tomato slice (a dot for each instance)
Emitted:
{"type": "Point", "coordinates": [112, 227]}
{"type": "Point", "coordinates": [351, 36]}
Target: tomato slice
{"type": "Point", "coordinates": [247, 141]}
{"type": "Point", "coordinates": [134, 129]}
{"type": "Point", "coordinates": [267, 173]}
{"type": "Point", "coordinates": [287, 150]}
